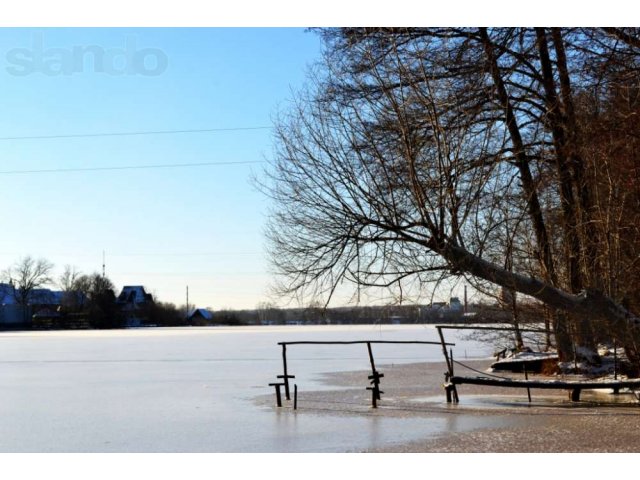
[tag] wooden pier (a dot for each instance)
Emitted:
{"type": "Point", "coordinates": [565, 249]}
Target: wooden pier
{"type": "Point", "coordinates": [374, 377]}
{"type": "Point", "coordinates": [574, 387]}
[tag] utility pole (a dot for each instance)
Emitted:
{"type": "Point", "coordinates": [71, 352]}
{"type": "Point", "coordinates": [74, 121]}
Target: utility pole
{"type": "Point", "coordinates": [187, 302]}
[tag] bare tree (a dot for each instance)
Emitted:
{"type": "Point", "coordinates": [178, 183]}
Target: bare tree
{"type": "Point", "coordinates": [393, 169]}
{"type": "Point", "coordinates": [27, 275]}
{"type": "Point", "coordinates": [76, 287]}
{"type": "Point", "coordinates": [68, 279]}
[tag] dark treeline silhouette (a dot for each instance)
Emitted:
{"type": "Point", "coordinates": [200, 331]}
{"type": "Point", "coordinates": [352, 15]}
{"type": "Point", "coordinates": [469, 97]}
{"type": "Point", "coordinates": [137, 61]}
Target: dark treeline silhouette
{"type": "Point", "coordinates": [90, 301]}
{"type": "Point", "coordinates": [372, 315]}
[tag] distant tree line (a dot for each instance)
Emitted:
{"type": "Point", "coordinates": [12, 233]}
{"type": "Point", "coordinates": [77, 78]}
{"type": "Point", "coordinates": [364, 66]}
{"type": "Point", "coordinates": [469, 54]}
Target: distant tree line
{"type": "Point", "coordinates": [269, 314]}
{"type": "Point", "coordinates": [87, 300]}
{"type": "Point", "coordinates": [91, 301]}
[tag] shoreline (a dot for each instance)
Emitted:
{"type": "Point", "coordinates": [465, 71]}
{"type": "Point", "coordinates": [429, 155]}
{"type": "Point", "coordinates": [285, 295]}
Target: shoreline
{"type": "Point", "coordinates": [487, 419]}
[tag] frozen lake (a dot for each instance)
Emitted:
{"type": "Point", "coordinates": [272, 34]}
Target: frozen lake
{"type": "Point", "coordinates": [191, 389]}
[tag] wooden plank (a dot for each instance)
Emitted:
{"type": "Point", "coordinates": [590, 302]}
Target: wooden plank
{"type": "Point", "coordinates": [477, 327]}
{"type": "Point", "coordinates": [354, 342]}
{"type": "Point", "coordinates": [286, 375]}
{"type": "Point", "coordinates": [548, 384]}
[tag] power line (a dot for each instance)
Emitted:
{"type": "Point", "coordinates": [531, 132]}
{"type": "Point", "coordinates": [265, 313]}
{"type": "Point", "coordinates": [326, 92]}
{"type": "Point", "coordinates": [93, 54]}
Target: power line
{"type": "Point", "coordinates": [124, 134]}
{"type": "Point", "coordinates": [147, 254]}
{"type": "Point", "coordinates": [129, 167]}
{"type": "Point", "coordinates": [202, 254]}
{"type": "Point", "coordinates": [190, 273]}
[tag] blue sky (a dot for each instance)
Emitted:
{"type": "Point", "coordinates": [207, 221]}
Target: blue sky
{"type": "Point", "coordinates": [164, 228]}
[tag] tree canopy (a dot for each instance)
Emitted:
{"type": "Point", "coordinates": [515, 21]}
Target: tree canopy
{"type": "Point", "coordinates": [504, 155]}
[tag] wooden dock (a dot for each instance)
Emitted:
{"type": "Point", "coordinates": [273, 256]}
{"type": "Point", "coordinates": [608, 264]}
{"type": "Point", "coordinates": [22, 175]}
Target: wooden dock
{"type": "Point", "coordinates": [573, 386]}
{"type": "Point", "coordinates": [374, 377]}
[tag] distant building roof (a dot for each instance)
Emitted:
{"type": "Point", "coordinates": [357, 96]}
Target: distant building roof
{"type": "Point", "coordinates": [202, 312]}
{"type": "Point", "coordinates": [7, 296]}
{"type": "Point", "coordinates": [46, 296]}
{"type": "Point", "coordinates": [42, 296]}
{"type": "Point", "coordinates": [134, 294]}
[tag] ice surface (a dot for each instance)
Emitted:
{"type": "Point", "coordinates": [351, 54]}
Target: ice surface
{"type": "Point", "coordinates": [191, 389]}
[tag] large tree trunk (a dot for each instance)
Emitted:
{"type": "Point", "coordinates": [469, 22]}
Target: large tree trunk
{"type": "Point", "coordinates": [590, 270]}
{"type": "Point", "coordinates": [588, 304]}
{"type": "Point", "coordinates": [545, 258]}
{"type": "Point", "coordinates": [569, 169]}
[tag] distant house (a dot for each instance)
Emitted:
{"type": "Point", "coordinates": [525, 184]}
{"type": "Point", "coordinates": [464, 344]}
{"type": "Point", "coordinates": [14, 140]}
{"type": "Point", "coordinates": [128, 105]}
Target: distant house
{"type": "Point", "coordinates": [10, 312]}
{"type": "Point", "coordinates": [200, 316]}
{"type": "Point", "coordinates": [45, 297]}
{"type": "Point", "coordinates": [46, 318]}
{"type": "Point", "coordinates": [45, 307]}
{"type": "Point", "coordinates": [134, 295]}
{"type": "Point", "coordinates": [14, 314]}
{"type": "Point", "coordinates": [7, 294]}
{"type": "Point", "coordinates": [133, 302]}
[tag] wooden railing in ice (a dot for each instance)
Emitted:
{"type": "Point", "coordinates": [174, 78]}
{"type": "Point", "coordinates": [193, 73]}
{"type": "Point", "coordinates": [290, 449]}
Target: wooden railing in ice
{"type": "Point", "coordinates": [374, 377]}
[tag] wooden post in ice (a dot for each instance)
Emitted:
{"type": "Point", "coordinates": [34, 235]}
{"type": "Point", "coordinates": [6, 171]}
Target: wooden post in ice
{"type": "Point", "coordinates": [373, 365]}
{"type": "Point", "coordinates": [454, 390]}
{"type": "Point", "coordinates": [286, 376]}
{"type": "Point", "coordinates": [449, 388]}
{"type": "Point", "coordinates": [375, 375]}
{"type": "Point", "coordinates": [444, 351]}
{"type": "Point", "coordinates": [278, 395]}
{"type": "Point", "coordinates": [375, 379]}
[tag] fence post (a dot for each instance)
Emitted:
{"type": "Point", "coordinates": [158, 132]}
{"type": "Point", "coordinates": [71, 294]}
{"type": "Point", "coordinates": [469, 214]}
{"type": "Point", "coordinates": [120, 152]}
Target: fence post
{"type": "Point", "coordinates": [373, 365]}
{"type": "Point", "coordinates": [444, 351]}
{"type": "Point", "coordinates": [454, 390]}
{"type": "Point", "coordinates": [286, 375]}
